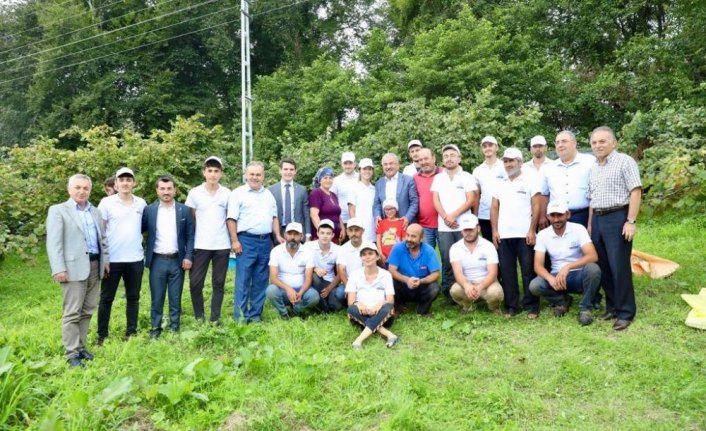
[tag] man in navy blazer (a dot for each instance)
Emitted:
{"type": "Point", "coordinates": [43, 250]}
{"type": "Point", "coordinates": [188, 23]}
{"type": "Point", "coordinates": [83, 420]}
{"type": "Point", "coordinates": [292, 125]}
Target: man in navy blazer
{"type": "Point", "coordinates": [299, 198]}
{"type": "Point", "coordinates": [170, 251]}
{"type": "Point", "coordinates": [406, 191]}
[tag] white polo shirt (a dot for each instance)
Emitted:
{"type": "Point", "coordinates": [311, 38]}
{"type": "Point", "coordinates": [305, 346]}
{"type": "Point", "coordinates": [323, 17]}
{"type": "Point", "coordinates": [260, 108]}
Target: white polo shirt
{"type": "Point", "coordinates": [123, 228]}
{"type": "Point", "coordinates": [563, 249]}
{"type": "Point", "coordinates": [475, 265]}
{"type": "Point", "coordinates": [342, 187]}
{"type": "Point", "coordinates": [323, 260]}
{"type": "Point", "coordinates": [211, 211]}
{"type": "Point", "coordinates": [253, 210]}
{"type": "Point", "coordinates": [370, 293]}
{"type": "Point", "coordinates": [487, 178]}
{"type": "Point", "coordinates": [362, 198]}
{"type": "Point", "coordinates": [452, 193]}
{"type": "Point", "coordinates": [349, 257]}
{"type": "Point", "coordinates": [291, 268]}
{"type": "Point", "coordinates": [568, 182]}
{"type": "Point", "coordinates": [515, 196]}
{"type": "Point", "coordinates": [530, 166]}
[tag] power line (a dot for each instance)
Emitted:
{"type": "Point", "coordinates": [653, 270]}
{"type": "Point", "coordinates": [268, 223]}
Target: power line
{"type": "Point", "coordinates": [108, 32]}
{"type": "Point", "coordinates": [280, 8]}
{"type": "Point", "coordinates": [119, 40]}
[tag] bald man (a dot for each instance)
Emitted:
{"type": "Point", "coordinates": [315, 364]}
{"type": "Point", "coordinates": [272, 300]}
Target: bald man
{"type": "Point", "coordinates": [415, 271]}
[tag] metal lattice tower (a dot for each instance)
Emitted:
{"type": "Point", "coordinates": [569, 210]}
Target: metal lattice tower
{"type": "Point", "coordinates": [245, 85]}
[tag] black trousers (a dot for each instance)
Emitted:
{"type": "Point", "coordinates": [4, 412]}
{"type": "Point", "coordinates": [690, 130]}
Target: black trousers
{"type": "Point", "coordinates": [424, 295]}
{"type": "Point", "coordinates": [197, 276]}
{"type": "Point", "coordinates": [510, 251]}
{"type": "Point", "coordinates": [131, 274]}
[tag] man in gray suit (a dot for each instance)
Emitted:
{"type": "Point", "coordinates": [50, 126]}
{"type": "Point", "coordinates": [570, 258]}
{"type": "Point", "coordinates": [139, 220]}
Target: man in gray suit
{"type": "Point", "coordinates": [78, 255]}
{"type": "Point", "coordinates": [291, 198]}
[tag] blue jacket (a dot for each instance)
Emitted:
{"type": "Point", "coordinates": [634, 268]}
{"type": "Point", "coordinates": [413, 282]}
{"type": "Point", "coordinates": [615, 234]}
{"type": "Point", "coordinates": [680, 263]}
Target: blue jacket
{"type": "Point", "coordinates": [407, 197]}
{"type": "Point", "coordinates": [185, 231]}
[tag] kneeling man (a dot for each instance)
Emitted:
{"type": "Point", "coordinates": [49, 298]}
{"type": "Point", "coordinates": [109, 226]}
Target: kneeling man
{"type": "Point", "coordinates": [573, 258]}
{"type": "Point", "coordinates": [415, 270]}
{"type": "Point", "coordinates": [291, 272]}
{"type": "Point", "coordinates": [475, 265]}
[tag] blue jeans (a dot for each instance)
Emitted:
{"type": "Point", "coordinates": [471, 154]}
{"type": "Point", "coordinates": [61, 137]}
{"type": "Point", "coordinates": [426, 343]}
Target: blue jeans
{"type": "Point", "coordinates": [335, 299]}
{"type": "Point", "coordinates": [509, 252]}
{"type": "Point", "coordinates": [585, 280]}
{"type": "Point", "coordinates": [446, 240]}
{"type": "Point", "coordinates": [166, 276]}
{"type": "Point", "coordinates": [431, 236]}
{"type": "Point", "coordinates": [614, 259]}
{"type": "Point", "coordinates": [252, 275]}
{"type": "Point", "coordinates": [384, 317]}
{"type": "Point", "coordinates": [279, 299]}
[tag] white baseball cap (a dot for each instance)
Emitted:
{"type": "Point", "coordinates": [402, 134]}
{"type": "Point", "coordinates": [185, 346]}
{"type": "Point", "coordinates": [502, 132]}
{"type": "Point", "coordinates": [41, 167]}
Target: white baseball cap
{"type": "Point", "coordinates": [355, 222]}
{"type": "Point", "coordinates": [348, 156]}
{"type": "Point", "coordinates": [390, 203]}
{"type": "Point", "coordinates": [557, 207]}
{"type": "Point", "coordinates": [413, 143]}
{"type": "Point", "coordinates": [538, 140]}
{"type": "Point", "coordinates": [124, 171]}
{"type": "Point", "coordinates": [215, 159]}
{"type": "Point", "coordinates": [512, 153]}
{"type": "Point", "coordinates": [451, 147]}
{"type": "Point", "coordinates": [369, 245]}
{"type": "Point", "coordinates": [469, 221]}
{"type": "Point", "coordinates": [365, 163]}
{"type": "Point", "coordinates": [490, 139]}
{"type": "Point", "coordinates": [326, 222]}
{"type": "Point", "coordinates": [294, 226]}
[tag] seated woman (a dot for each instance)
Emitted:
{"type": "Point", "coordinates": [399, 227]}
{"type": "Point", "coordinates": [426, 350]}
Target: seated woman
{"type": "Point", "coordinates": [371, 298]}
{"type": "Point", "coordinates": [323, 204]}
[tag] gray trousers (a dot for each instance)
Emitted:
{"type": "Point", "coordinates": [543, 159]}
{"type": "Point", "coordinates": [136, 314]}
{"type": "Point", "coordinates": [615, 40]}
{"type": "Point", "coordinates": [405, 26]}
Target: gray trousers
{"type": "Point", "coordinates": [80, 302]}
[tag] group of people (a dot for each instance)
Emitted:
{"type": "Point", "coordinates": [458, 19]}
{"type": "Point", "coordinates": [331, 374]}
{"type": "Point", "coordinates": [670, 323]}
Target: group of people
{"type": "Point", "coordinates": [357, 244]}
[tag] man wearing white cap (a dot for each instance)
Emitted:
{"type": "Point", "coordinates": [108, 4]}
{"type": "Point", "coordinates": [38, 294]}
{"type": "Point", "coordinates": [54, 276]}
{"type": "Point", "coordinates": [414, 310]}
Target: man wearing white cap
{"type": "Point", "coordinates": [344, 183]}
{"type": "Point", "coordinates": [325, 279]}
{"type": "Point", "coordinates": [487, 175]}
{"type": "Point", "coordinates": [413, 148]}
{"type": "Point", "coordinates": [538, 148]}
{"type": "Point", "coordinates": [514, 215]}
{"type": "Point", "coordinates": [291, 272]}
{"type": "Point", "coordinates": [209, 206]}
{"type": "Point", "coordinates": [122, 218]}
{"type": "Point", "coordinates": [361, 198]}
{"type": "Point", "coordinates": [455, 194]}
{"type": "Point", "coordinates": [348, 259]}
{"type": "Point", "coordinates": [574, 268]}
{"type": "Point", "coordinates": [475, 265]}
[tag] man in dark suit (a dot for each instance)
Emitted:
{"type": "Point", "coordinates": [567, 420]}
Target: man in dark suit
{"type": "Point", "coordinates": [170, 251]}
{"type": "Point", "coordinates": [78, 255]}
{"type": "Point", "coordinates": [405, 191]}
{"type": "Point", "coordinates": [291, 198]}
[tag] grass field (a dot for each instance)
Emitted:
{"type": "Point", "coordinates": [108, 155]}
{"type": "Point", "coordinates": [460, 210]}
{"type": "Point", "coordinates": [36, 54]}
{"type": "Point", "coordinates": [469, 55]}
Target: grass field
{"type": "Point", "coordinates": [451, 372]}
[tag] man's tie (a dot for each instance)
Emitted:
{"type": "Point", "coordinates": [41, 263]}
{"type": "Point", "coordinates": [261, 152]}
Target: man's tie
{"type": "Point", "coordinates": [287, 205]}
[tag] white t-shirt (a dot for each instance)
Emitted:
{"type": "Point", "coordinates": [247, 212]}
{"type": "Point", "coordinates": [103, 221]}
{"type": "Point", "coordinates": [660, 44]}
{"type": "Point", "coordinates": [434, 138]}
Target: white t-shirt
{"type": "Point", "coordinates": [123, 228]}
{"type": "Point", "coordinates": [363, 198]}
{"type": "Point", "coordinates": [211, 211]}
{"type": "Point", "coordinates": [475, 265]}
{"type": "Point", "coordinates": [370, 294]}
{"type": "Point", "coordinates": [486, 178]}
{"type": "Point", "coordinates": [291, 268]}
{"type": "Point", "coordinates": [568, 182]}
{"type": "Point", "coordinates": [562, 249]}
{"type": "Point", "coordinates": [349, 257]}
{"type": "Point", "coordinates": [410, 170]}
{"type": "Point", "coordinates": [324, 260]}
{"type": "Point", "coordinates": [342, 185]}
{"type": "Point", "coordinates": [515, 196]}
{"type": "Point", "coordinates": [529, 166]}
{"type": "Point", "coordinates": [452, 193]}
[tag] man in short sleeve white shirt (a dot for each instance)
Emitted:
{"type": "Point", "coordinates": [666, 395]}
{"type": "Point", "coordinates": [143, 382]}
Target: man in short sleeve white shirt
{"type": "Point", "coordinates": [573, 258]}
{"type": "Point", "coordinates": [122, 219]}
{"type": "Point", "coordinates": [454, 193]}
{"type": "Point", "coordinates": [209, 206]}
{"type": "Point", "coordinates": [487, 175]}
{"type": "Point", "coordinates": [291, 271]}
{"type": "Point", "coordinates": [344, 184]}
{"type": "Point", "coordinates": [413, 148]}
{"type": "Point", "coordinates": [514, 216]}
{"type": "Point", "coordinates": [475, 265]}
{"type": "Point", "coordinates": [326, 280]}
{"type": "Point", "coordinates": [348, 259]}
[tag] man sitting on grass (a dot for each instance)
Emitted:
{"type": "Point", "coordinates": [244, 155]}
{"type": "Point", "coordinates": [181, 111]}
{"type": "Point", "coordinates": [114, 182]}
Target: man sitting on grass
{"type": "Point", "coordinates": [573, 258]}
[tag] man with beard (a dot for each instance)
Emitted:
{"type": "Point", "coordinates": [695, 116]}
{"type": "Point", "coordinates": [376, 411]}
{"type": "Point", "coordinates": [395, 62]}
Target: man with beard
{"type": "Point", "coordinates": [488, 174]}
{"type": "Point", "coordinates": [514, 214]}
{"type": "Point", "coordinates": [291, 272]}
{"type": "Point", "coordinates": [573, 260]}
{"type": "Point", "coordinates": [475, 264]}
{"type": "Point", "coordinates": [413, 148]}
{"type": "Point", "coordinates": [415, 271]}
{"type": "Point", "coordinates": [348, 259]}
{"type": "Point", "coordinates": [538, 148]}
{"type": "Point", "coordinates": [428, 217]}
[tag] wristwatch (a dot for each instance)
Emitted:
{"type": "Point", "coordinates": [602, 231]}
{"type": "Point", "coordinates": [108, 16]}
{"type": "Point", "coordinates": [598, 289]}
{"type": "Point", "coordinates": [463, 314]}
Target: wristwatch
{"type": "Point", "coordinates": [631, 221]}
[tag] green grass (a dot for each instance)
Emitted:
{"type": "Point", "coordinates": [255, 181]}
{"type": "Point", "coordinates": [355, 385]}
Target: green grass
{"type": "Point", "coordinates": [452, 372]}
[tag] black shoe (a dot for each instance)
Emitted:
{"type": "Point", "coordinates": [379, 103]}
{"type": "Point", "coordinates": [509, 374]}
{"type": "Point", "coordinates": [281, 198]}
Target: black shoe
{"type": "Point", "coordinates": [607, 316]}
{"type": "Point", "coordinates": [155, 333]}
{"type": "Point", "coordinates": [621, 325]}
{"type": "Point", "coordinates": [585, 317]}
{"type": "Point", "coordinates": [85, 354]}
{"type": "Point", "coordinates": [100, 340]}
{"type": "Point", "coordinates": [562, 309]}
{"type": "Point", "coordinates": [129, 335]}
{"type": "Point", "coordinates": [284, 316]}
{"type": "Point", "coordinates": [74, 361]}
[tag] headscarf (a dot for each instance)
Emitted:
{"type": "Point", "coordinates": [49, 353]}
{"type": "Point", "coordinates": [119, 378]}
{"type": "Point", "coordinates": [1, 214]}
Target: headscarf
{"type": "Point", "coordinates": [323, 172]}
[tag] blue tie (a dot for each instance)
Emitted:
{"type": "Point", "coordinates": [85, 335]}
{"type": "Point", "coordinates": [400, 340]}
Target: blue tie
{"type": "Point", "coordinates": [287, 205]}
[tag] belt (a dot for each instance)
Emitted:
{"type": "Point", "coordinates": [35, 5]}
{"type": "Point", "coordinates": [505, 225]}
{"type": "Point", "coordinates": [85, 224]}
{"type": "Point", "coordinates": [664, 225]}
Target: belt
{"type": "Point", "coordinates": [579, 210]}
{"type": "Point", "coordinates": [604, 211]}
{"type": "Point", "coordinates": [167, 256]}
{"type": "Point", "coordinates": [267, 236]}
{"type": "Point", "coordinates": [94, 257]}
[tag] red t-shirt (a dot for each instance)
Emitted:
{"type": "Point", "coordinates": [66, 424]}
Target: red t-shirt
{"type": "Point", "coordinates": [391, 233]}
{"type": "Point", "coordinates": [427, 216]}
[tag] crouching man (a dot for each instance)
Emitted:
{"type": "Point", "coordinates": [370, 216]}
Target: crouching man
{"type": "Point", "coordinates": [573, 258]}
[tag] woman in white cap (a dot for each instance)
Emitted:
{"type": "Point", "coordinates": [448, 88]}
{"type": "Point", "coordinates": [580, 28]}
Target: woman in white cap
{"type": "Point", "coordinates": [371, 298]}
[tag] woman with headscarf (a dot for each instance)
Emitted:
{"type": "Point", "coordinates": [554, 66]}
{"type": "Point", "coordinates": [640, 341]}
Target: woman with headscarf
{"type": "Point", "coordinates": [323, 204]}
